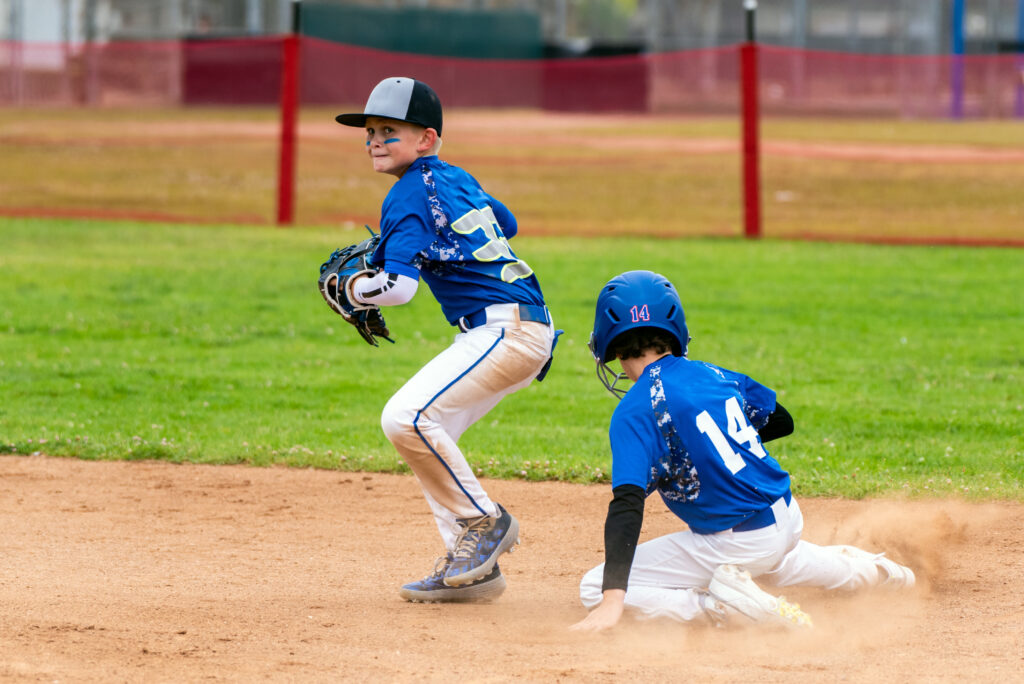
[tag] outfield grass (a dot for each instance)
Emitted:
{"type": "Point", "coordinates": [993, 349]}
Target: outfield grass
{"type": "Point", "coordinates": [604, 175]}
{"type": "Point", "coordinates": [901, 365]}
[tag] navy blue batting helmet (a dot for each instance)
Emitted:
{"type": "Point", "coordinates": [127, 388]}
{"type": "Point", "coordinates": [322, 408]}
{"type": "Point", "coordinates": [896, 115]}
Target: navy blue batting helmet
{"type": "Point", "coordinates": [638, 299]}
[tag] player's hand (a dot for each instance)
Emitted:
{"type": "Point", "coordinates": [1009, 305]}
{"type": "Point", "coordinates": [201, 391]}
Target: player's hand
{"type": "Point", "coordinates": [606, 615]}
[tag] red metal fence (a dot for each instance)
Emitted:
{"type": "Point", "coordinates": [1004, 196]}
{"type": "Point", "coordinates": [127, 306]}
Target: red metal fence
{"type": "Point", "coordinates": [248, 71]}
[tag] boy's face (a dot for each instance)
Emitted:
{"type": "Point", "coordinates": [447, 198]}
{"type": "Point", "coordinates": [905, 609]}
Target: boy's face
{"type": "Point", "coordinates": [393, 145]}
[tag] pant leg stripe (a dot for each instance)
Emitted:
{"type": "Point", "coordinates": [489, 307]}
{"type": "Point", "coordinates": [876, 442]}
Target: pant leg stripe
{"type": "Point", "coordinates": [415, 422]}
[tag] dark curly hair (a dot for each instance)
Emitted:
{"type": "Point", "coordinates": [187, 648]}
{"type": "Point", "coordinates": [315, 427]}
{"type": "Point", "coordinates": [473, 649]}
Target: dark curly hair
{"type": "Point", "coordinates": [634, 343]}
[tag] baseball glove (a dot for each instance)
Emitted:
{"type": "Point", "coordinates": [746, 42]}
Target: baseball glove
{"type": "Point", "coordinates": [336, 277]}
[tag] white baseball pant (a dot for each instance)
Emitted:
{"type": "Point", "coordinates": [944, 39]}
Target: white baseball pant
{"type": "Point", "coordinates": [669, 573]}
{"type": "Point", "coordinates": [426, 417]}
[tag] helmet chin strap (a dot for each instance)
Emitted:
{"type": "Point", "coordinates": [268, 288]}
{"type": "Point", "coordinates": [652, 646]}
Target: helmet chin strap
{"type": "Point", "coordinates": [610, 378]}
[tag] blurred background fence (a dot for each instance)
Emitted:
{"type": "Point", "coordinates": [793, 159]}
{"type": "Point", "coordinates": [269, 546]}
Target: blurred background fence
{"type": "Point", "coordinates": [528, 29]}
{"type": "Point", "coordinates": [905, 58]}
{"type": "Point", "coordinates": [247, 71]}
{"type": "Point", "coordinates": [168, 109]}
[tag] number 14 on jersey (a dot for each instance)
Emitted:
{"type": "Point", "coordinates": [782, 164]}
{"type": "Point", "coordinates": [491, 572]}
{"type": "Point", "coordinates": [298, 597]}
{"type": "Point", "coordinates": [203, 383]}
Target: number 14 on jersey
{"type": "Point", "coordinates": [740, 431]}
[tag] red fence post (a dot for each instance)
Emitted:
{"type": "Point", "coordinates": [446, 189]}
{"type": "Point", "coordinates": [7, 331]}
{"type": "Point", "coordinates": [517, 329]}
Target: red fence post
{"type": "Point", "coordinates": [751, 142]}
{"type": "Point", "coordinates": [286, 152]}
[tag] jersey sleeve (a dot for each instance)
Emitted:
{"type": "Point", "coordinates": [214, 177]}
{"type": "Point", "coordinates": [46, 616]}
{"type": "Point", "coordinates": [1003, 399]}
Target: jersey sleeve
{"type": "Point", "coordinates": [402, 241]}
{"type": "Point", "coordinates": [758, 400]}
{"type": "Point", "coordinates": [630, 442]}
{"type": "Point", "coordinates": [402, 269]}
{"type": "Point", "coordinates": [506, 220]}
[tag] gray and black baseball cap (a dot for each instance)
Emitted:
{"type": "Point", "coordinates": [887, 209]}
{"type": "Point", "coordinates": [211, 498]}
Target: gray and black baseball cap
{"type": "Point", "coordinates": [402, 98]}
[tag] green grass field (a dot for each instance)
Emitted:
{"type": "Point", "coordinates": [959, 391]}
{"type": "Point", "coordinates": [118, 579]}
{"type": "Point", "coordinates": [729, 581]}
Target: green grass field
{"type": "Point", "coordinates": [901, 365]}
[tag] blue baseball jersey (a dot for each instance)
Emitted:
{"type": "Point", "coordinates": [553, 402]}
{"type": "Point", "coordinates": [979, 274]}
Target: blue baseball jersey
{"type": "Point", "coordinates": [438, 223]}
{"type": "Point", "coordinates": [688, 429]}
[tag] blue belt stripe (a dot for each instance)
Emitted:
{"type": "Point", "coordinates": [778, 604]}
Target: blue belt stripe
{"type": "Point", "coordinates": [527, 312]}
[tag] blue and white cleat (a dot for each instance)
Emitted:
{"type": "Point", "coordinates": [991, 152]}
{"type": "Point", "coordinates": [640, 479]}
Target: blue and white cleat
{"type": "Point", "coordinates": [432, 589]}
{"type": "Point", "coordinates": [478, 546]}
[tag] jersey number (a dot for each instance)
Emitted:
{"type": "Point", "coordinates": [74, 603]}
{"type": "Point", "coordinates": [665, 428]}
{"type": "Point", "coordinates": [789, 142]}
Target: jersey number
{"type": "Point", "coordinates": [496, 246]}
{"type": "Point", "coordinates": [740, 431]}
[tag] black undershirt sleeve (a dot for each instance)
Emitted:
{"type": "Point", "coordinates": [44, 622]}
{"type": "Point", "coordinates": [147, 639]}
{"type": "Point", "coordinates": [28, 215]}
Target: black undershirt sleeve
{"type": "Point", "coordinates": [779, 424]}
{"type": "Point", "coordinates": [621, 533]}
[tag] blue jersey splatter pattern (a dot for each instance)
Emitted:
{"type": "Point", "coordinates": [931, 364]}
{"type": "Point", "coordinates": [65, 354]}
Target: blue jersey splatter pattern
{"type": "Point", "coordinates": [438, 223]}
{"type": "Point", "coordinates": [688, 430]}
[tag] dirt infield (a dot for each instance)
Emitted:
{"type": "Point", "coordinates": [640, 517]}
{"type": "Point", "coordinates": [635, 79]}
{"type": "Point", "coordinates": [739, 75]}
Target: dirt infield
{"type": "Point", "coordinates": [155, 572]}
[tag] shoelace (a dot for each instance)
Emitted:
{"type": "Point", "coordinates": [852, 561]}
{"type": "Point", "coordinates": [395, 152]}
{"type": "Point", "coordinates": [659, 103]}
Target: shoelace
{"type": "Point", "coordinates": [441, 564]}
{"type": "Point", "coordinates": [469, 539]}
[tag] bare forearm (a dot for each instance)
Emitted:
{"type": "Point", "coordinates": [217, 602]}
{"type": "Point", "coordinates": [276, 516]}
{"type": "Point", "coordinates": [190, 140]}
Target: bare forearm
{"type": "Point", "coordinates": [606, 614]}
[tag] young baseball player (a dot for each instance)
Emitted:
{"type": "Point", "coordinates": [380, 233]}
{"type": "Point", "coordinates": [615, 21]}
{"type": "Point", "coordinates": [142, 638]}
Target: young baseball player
{"type": "Point", "coordinates": [439, 225]}
{"type": "Point", "coordinates": [695, 433]}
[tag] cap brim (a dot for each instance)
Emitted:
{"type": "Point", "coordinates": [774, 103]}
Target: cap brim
{"type": "Point", "coordinates": [357, 120]}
